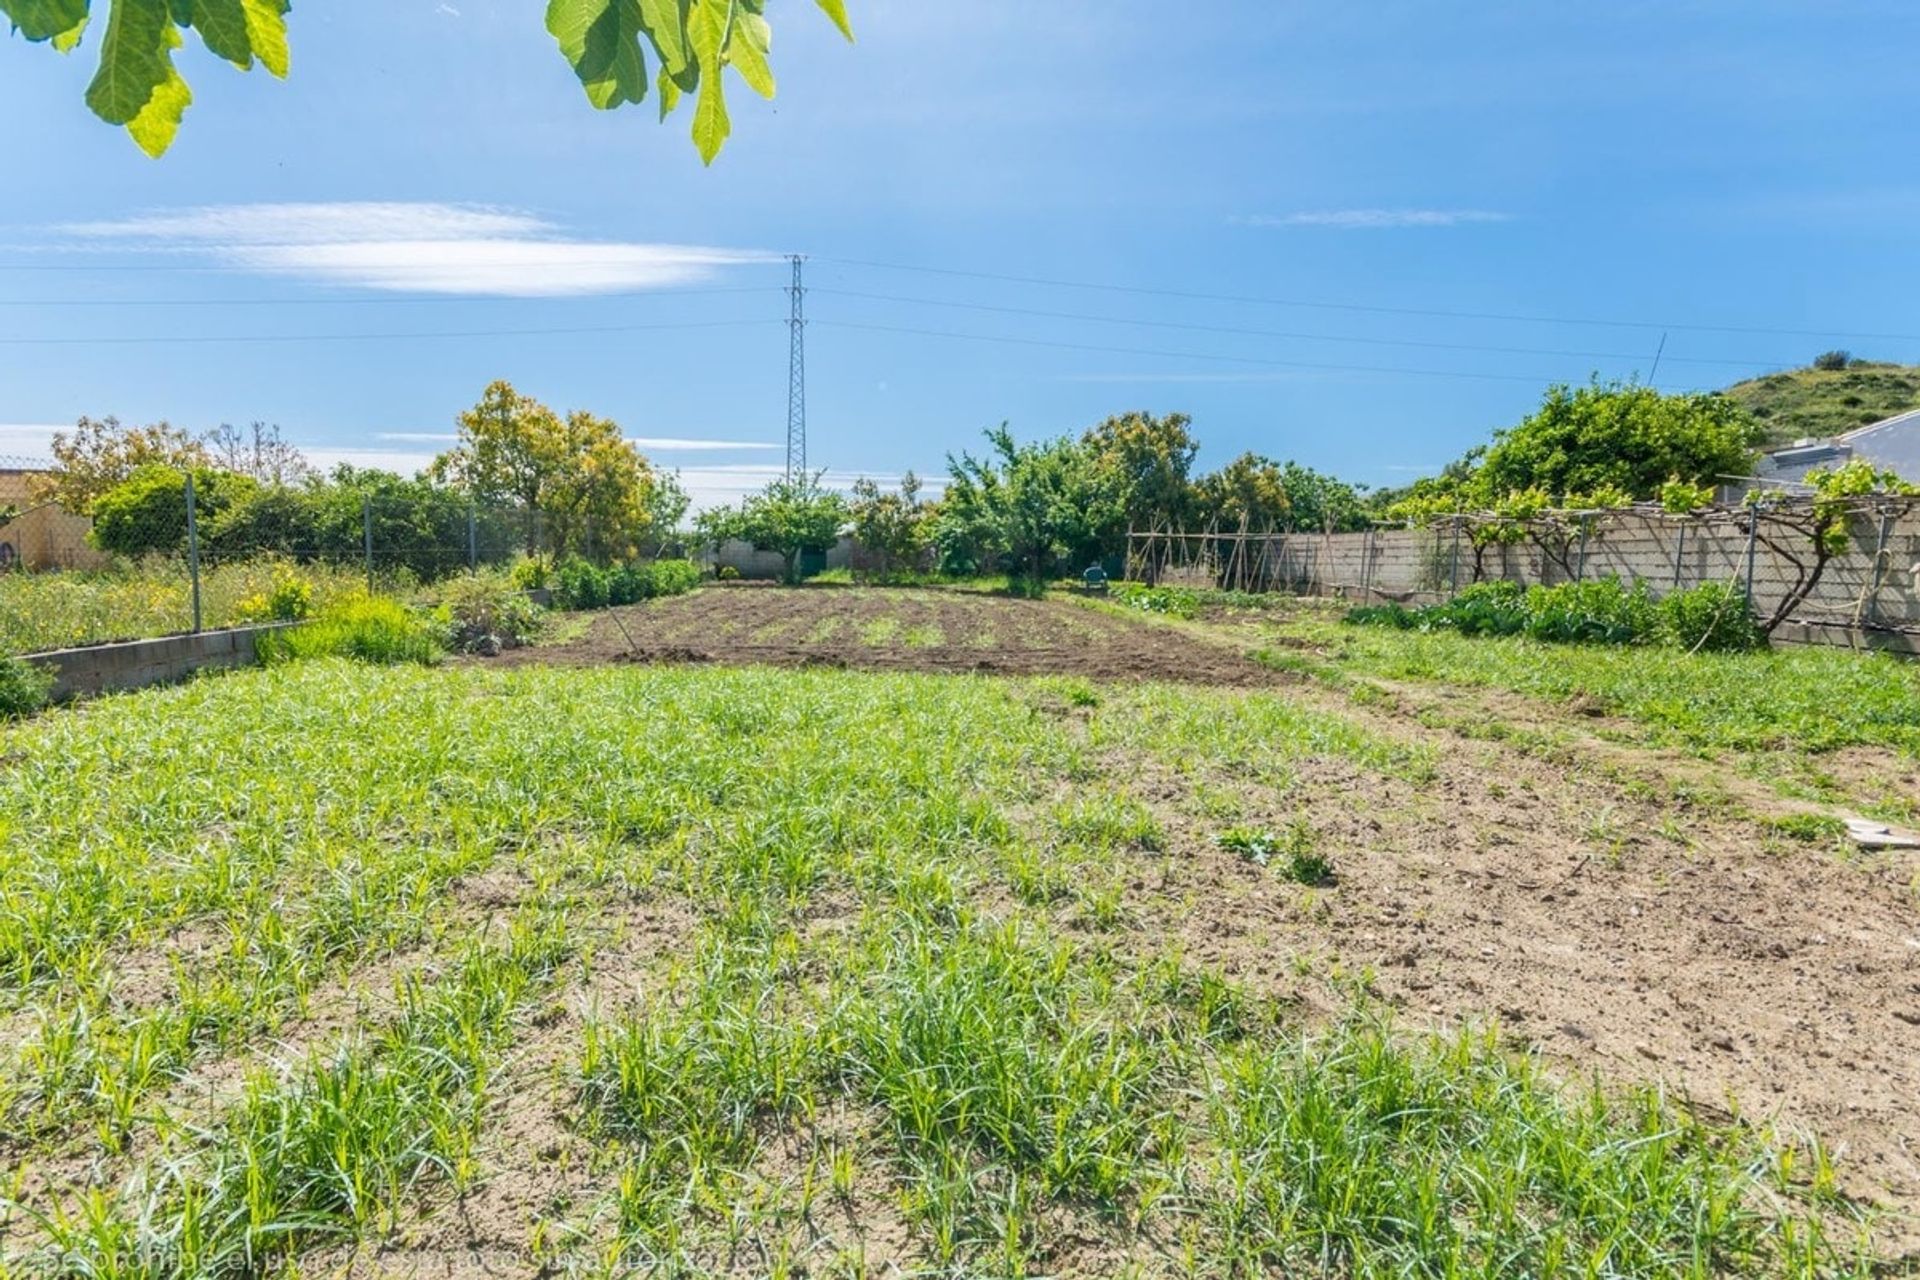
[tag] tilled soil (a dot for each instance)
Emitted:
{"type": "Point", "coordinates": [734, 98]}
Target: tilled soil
{"type": "Point", "coordinates": [896, 630]}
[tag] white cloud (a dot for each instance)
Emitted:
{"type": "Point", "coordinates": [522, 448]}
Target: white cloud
{"type": "Point", "coordinates": [415, 248]}
{"type": "Point", "coordinates": [1374, 219]}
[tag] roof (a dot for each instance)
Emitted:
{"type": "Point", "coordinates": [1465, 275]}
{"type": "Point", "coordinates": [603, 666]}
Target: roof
{"type": "Point", "coordinates": [1891, 445]}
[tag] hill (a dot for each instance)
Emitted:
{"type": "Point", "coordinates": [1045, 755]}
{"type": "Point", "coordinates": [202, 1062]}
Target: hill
{"type": "Point", "coordinates": [1827, 402]}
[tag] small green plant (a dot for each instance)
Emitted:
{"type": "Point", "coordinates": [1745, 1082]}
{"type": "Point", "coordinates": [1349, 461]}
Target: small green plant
{"type": "Point", "coordinates": [1294, 853]}
{"type": "Point", "coordinates": [24, 687]}
{"type": "Point", "coordinates": [532, 573]}
{"type": "Point", "coordinates": [727, 573]}
{"type": "Point", "coordinates": [369, 629]}
{"type": "Point", "coordinates": [1174, 602]}
{"type": "Point", "coordinates": [1808, 828]}
{"type": "Point", "coordinates": [1604, 611]}
{"type": "Point", "coordinates": [288, 599]}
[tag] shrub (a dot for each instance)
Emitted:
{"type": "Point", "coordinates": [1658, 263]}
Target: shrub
{"type": "Point", "coordinates": [368, 629]}
{"type": "Point", "coordinates": [24, 687]}
{"type": "Point", "coordinates": [148, 511]}
{"type": "Point", "coordinates": [1712, 617]}
{"type": "Point", "coordinates": [484, 613]}
{"type": "Point", "coordinates": [726, 573]}
{"type": "Point", "coordinates": [532, 573]}
{"type": "Point", "coordinates": [1833, 361]}
{"type": "Point", "coordinates": [288, 599]}
{"type": "Point", "coordinates": [585, 586]}
{"type": "Point", "coordinates": [675, 577]}
{"type": "Point", "coordinates": [579, 585]}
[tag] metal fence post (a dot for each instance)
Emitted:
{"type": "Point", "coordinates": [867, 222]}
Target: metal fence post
{"type": "Point", "coordinates": [1580, 567]}
{"type": "Point", "coordinates": [193, 551]}
{"type": "Point", "coordinates": [1679, 554]}
{"type": "Point", "coordinates": [473, 540]}
{"type": "Point", "coordinates": [1753, 530]}
{"type": "Point", "coordinates": [1366, 567]}
{"type": "Point", "coordinates": [366, 520]}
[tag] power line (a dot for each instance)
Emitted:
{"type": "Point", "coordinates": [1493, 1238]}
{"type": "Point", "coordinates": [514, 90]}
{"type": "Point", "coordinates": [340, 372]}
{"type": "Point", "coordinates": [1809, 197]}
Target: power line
{"type": "Point", "coordinates": [213, 339]}
{"type": "Point", "coordinates": [1179, 355]}
{"type": "Point", "coordinates": [1320, 304]}
{"type": "Point", "coordinates": [1276, 333]}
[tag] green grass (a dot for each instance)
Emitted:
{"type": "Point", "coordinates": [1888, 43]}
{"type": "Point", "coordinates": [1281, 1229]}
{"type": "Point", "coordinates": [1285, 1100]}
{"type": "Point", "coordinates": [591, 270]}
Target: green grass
{"type": "Point", "coordinates": [366, 628]}
{"type": "Point", "coordinates": [40, 611]}
{"type": "Point", "coordinates": [903, 990]}
{"type": "Point", "coordinates": [1800, 698]}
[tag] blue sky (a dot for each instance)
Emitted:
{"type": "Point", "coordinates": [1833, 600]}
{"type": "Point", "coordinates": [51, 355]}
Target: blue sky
{"type": "Point", "coordinates": [1304, 217]}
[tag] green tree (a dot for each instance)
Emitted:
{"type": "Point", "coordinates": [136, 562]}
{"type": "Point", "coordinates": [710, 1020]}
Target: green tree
{"type": "Point", "coordinates": [892, 528]}
{"type": "Point", "coordinates": [606, 42]}
{"type": "Point", "coordinates": [1144, 464]}
{"type": "Point", "coordinates": [576, 476]}
{"type": "Point", "coordinates": [147, 513]}
{"type": "Point", "coordinates": [100, 454]}
{"type": "Point", "coordinates": [1617, 436]}
{"type": "Point", "coordinates": [789, 517]}
{"type": "Point", "coordinates": [1025, 508]}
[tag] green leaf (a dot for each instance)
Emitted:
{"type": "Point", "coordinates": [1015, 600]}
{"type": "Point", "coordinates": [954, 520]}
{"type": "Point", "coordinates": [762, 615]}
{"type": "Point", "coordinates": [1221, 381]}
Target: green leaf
{"type": "Point", "coordinates": [837, 10]}
{"type": "Point", "coordinates": [669, 93]}
{"type": "Point", "coordinates": [749, 47]}
{"type": "Point", "coordinates": [60, 21]}
{"type": "Point", "coordinates": [666, 24]}
{"type": "Point", "coordinates": [267, 33]}
{"type": "Point", "coordinates": [601, 39]}
{"type": "Point", "coordinates": [135, 60]}
{"type": "Point", "coordinates": [222, 25]}
{"type": "Point", "coordinates": [707, 30]}
{"type": "Point", "coordinates": [154, 128]}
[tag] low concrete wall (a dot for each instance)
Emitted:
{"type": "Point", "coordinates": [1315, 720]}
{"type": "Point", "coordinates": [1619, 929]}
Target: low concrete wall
{"type": "Point", "coordinates": [134, 664]}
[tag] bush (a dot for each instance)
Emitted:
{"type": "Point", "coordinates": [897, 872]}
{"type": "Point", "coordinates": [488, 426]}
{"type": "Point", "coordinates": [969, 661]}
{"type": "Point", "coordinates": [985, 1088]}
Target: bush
{"type": "Point", "coordinates": [1833, 361]}
{"type": "Point", "coordinates": [579, 585]}
{"type": "Point", "coordinates": [584, 586]}
{"type": "Point", "coordinates": [148, 511]}
{"type": "Point", "coordinates": [1710, 618]}
{"type": "Point", "coordinates": [484, 613]}
{"type": "Point", "coordinates": [24, 687]}
{"type": "Point", "coordinates": [368, 629]}
{"type": "Point", "coordinates": [533, 573]}
{"type": "Point", "coordinates": [675, 577]}
{"type": "Point", "coordinates": [726, 573]}
{"type": "Point", "coordinates": [289, 599]}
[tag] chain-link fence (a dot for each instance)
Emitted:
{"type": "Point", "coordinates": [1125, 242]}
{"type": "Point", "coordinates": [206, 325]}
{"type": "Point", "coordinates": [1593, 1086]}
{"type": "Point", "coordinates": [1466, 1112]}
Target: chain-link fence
{"type": "Point", "coordinates": [174, 552]}
{"type": "Point", "coordinates": [1851, 565]}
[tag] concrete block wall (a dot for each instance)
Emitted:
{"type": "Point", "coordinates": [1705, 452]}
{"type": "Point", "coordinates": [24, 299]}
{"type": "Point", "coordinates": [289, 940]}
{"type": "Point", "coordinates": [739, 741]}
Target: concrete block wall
{"type": "Point", "coordinates": [1876, 583]}
{"type": "Point", "coordinates": [135, 664]}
